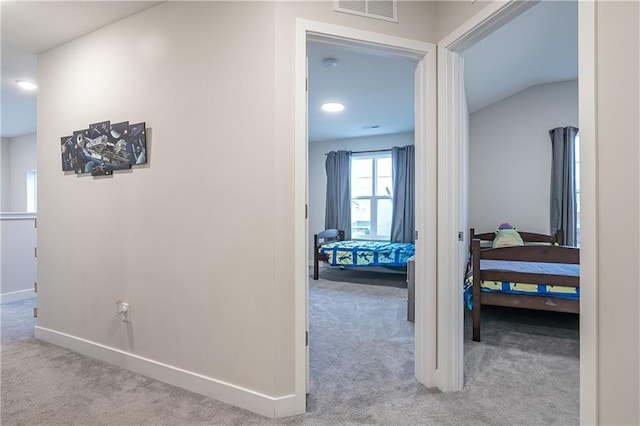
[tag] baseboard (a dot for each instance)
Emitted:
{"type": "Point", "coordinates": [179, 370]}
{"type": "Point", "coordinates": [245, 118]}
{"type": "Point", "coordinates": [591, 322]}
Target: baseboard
{"type": "Point", "coordinates": [16, 296]}
{"type": "Point", "coordinates": [247, 399]}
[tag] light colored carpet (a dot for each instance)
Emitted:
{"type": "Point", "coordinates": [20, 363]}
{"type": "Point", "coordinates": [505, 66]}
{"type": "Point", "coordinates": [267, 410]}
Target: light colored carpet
{"type": "Point", "coordinates": [525, 372]}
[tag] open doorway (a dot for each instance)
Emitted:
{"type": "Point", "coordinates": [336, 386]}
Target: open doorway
{"type": "Point", "coordinates": [361, 334]}
{"type": "Point", "coordinates": [422, 56]}
{"type": "Point", "coordinates": [453, 131]}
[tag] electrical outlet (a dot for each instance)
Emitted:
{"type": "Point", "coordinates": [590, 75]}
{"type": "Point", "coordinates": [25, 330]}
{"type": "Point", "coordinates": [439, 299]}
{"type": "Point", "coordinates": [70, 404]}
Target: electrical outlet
{"type": "Point", "coordinates": [122, 309]}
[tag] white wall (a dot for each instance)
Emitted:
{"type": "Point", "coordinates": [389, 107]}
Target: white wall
{"type": "Point", "coordinates": [318, 177]}
{"type": "Point", "coordinates": [173, 239]}
{"type": "Point", "coordinates": [510, 156]}
{"type": "Point", "coordinates": [195, 240]}
{"type": "Point", "coordinates": [18, 263]}
{"type": "Point", "coordinates": [22, 159]}
{"type": "Point", "coordinates": [5, 177]}
{"type": "Point", "coordinates": [18, 156]}
{"type": "Point", "coordinates": [17, 233]}
{"type": "Point", "coordinates": [618, 227]}
{"type": "Point", "coordinates": [453, 13]}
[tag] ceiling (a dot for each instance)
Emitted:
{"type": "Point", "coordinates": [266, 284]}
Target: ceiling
{"type": "Point", "coordinates": [539, 46]}
{"type": "Point", "coordinates": [32, 27]}
{"type": "Point", "coordinates": [376, 89]}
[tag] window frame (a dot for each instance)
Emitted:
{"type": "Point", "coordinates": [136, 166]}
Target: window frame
{"type": "Point", "coordinates": [373, 198]}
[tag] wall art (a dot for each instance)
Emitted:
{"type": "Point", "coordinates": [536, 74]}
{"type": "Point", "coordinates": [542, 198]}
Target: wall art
{"type": "Point", "coordinates": [104, 147]}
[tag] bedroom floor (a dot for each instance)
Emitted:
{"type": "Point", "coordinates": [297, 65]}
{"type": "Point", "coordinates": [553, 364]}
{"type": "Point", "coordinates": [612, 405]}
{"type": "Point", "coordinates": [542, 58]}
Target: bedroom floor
{"type": "Point", "coordinates": [525, 371]}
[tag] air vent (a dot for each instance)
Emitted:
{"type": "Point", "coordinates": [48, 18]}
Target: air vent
{"type": "Point", "coordinates": [378, 9]}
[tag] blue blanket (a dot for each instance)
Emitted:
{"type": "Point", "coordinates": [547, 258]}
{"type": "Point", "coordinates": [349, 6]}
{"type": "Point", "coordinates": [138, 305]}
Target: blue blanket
{"type": "Point", "coordinates": [367, 253]}
{"type": "Point", "coordinates": [540, 289]}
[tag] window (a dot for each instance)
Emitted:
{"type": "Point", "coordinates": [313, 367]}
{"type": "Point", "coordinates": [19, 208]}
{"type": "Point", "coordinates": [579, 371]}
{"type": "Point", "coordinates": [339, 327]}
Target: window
{"type": "Point", "coordinates": [371, 196]}
{"type": "Point", "coordinates": [577, 180]}
{"type": "Point", "coordinates": [32, 191]}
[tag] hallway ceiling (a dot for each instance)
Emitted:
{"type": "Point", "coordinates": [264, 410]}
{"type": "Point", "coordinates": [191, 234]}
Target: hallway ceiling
{"type": "Point", "coordinates": [539, 46]}
{"type": "Point", "coordinates": [32, 27]}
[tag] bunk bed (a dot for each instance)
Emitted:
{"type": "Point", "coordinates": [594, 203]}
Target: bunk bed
{"type": "Point", "coordinates": [541, 274]}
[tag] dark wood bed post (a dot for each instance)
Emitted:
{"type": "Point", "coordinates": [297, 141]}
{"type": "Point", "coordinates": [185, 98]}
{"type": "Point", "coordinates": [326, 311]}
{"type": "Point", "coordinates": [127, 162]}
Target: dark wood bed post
{"type": "Point", "coordinates": [315, 257]}
{"type": "Point", "coordinates": [559, 237]}
{"type": "Point", "coordinates": [475, 250]}
{"type": "Point", "coordinates": [327, 234]}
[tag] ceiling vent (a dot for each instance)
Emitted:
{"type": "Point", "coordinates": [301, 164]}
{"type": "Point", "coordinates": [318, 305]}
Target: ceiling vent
{"type": "Point", "coordinates": [378, 9]}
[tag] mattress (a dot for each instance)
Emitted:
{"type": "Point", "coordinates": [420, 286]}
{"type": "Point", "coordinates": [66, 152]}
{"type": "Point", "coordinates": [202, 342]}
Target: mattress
{"type": "Point", "coordinates": [536, 289]}
{"type": "Point", "coordinates": [367, 253]}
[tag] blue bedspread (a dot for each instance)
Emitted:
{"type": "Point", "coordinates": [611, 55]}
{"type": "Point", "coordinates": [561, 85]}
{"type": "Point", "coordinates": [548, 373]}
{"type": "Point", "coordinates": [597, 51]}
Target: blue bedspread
{"type": "Point", "coordinates": [367, 253]}
{"type": "Point", "coordinates": [539, 289]}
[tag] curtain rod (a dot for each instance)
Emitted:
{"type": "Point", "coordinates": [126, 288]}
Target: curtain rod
{"type": "Point", "coordinates": [367, 152]}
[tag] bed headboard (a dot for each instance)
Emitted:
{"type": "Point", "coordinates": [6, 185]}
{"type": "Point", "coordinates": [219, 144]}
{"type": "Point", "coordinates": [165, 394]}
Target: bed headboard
{"type": "Point", "coordinates": [527, 237]}
{"type": "Point", "coordinates": [330, 234]}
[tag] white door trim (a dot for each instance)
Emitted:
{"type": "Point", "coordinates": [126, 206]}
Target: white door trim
{"type": "Point", "coordinates": [425, 141]}
{"type": "Point", "coordinates": [450, 206]}
{"type": "Point", "coordinates": [587, 123]}
{"type": "Point", "coordinates": [450, 144]}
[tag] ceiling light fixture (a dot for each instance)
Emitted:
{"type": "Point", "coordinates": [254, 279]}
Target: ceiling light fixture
{"type": "Point", "coordinates": [330, 62]}
{"type": "Point", "coordinates": [332, 107]}
{"type": "Point", "coordinates": [27, 85]}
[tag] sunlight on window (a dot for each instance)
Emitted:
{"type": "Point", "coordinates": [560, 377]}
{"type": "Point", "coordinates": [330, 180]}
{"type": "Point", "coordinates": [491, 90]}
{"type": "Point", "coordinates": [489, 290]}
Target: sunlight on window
{"type": "Point", "coordinates": [371, 196]}
{"type": "Point", "coordinates": [32, 191]}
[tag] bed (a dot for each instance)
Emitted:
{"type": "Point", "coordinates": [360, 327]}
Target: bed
{"type": "Point", "coordinates": [330, 246]}
{"type": "Point", "coordinates": [542, 274]}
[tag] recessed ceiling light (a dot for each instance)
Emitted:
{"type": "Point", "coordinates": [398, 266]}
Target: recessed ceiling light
{"type": "Point", "coordinates": [27, 85]}
{"type": "Point", "coordinates": [332, 107]}
{"type": "Point", "coordinates": [330, 62]}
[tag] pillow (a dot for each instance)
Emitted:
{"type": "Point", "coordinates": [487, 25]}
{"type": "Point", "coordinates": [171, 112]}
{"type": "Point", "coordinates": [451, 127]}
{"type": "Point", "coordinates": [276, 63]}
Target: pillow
{"type": "Point", "coordinates": [507, 238]}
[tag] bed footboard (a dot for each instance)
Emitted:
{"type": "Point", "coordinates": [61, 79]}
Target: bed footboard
{"type": "Point", "coordinates": [535, 253]}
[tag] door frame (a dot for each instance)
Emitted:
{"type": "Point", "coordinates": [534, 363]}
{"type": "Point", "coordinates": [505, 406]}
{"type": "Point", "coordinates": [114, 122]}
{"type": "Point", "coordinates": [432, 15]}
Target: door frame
{"type": "Point", "coordinates": [452, 207]}
{"type": "Point", "coordinates": [426, 224]}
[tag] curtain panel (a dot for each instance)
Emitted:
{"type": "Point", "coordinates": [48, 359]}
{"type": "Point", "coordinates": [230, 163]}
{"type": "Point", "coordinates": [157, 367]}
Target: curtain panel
{"type": "Point", "coordinates": [563, 214]}
{"type": "Point", "coordinates": [338, 204]}
{"type": "Point", "coordinates": [403, 178]}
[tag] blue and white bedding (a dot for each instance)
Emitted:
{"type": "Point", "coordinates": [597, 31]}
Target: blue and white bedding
{"type": "Point", "coordinates": [540, 289]}
{"type": "Point", "coordinates": [367, 253]}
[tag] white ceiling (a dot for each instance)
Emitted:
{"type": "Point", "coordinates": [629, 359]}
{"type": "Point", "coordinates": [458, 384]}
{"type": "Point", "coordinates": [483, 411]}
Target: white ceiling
{"type": "Point", "coordinates": [375, 88]}
{"type": "Point", "coordinates": [32, 27]}
{"type": "Point", "coordinates": [539, 46]}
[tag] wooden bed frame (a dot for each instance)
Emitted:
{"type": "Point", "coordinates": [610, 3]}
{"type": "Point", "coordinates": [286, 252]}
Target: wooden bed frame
{"type": "Point", "coordinates": [326, 236]}
{"type": "Point", "coordinates": [528, 253]}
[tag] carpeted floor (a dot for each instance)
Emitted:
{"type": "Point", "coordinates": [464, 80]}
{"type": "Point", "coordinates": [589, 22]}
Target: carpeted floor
{"type": "Point", "coordinates": [525, 372]}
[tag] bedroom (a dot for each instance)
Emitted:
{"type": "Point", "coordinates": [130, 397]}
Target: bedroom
{"type": "Point", "coordinates": [511, 154]}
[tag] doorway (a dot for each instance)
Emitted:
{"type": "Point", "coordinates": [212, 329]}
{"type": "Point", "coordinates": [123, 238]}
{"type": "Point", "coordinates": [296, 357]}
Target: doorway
{"type": "Point", "coordinates": [423, 54]}
{"type": "Point", "coordinates": [360, 334]}
{"type": "Point", "coordinates": [451, 130]}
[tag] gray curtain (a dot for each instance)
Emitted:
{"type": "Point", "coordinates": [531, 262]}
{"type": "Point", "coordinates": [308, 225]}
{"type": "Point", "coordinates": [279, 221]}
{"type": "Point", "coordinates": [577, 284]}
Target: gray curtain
{"type": "Point", "coordinates": [403, 178]}
{"type": "Point", "coordinates": [563, 184]}
{"type": "Point", "coordinates": [338, 206]}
